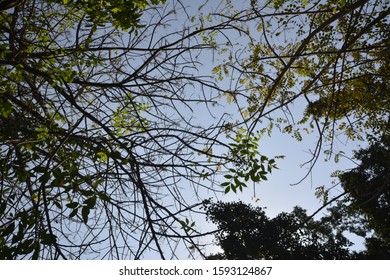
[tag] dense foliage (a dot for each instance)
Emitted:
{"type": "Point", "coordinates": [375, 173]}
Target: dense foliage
{"type": "Point", "coordinates": [246, 232]}
{"type": "Point", "coordinates": [368, 189]}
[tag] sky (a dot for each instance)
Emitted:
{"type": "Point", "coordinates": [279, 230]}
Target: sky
{"type": "Point", "coordinates": [280, 193]}
{"type": "Point", "coordinates": [277, 194]}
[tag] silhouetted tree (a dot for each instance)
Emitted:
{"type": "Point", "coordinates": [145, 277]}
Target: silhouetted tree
{"type": "Point", "coordinates": [245, 232]}
{"type": "Point", "coordinates": [368, 189]}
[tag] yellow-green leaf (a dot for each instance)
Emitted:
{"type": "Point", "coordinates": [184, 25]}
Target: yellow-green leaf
{"type": "Point", "coordinates": [102, 156]}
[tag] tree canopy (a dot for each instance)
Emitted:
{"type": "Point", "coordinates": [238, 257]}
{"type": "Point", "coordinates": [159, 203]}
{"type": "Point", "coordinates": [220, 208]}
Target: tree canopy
{"type": "Point", "coordinates": [245, 232]}
{"type": "Point", "coordinates": [368, 189]}
{"type": "Point", "coordinates": [118, 118]}
{"type": "Point", "coordinates": [124, 13]}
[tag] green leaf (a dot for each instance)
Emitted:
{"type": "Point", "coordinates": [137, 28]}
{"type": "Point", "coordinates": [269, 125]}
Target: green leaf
{"type": "Point", "coordinates": [3, 206]}
{"type": "Point", "coordinates": [40, 169]}
{"type": "Point", "coordinates": [8, 230]}
{"type": "Point", "coordinates": [255, 178]}
{"type": "Point", "coordinates": [73, 213]}
{"type": "Point", "coordinates": [58, 173]}
{"type": "Point", "coordinates": [44, 178]}
{"type": "Point", "coordinates": [182, 223]}
{"type": "Point", "coordinates": [57, 203]}
{"type": "Point", "coordinates": [19, 236]}
{"type": "Point", "coordinates": [72, 205]}
{"type": "Point", "coordinates": [90, 202]}
{"type": "Point", "coordinates": [48, 238]}
{"type": "Point", "coordinates": [87, 192]}
{"type": "Point", "coordinates": [102, 156]}
{"type": "Point", "coordinates": [27, 246]}
{"type": "Point", "coordinates": [84, 213]}
{"type": "Point", "coordinates": [103, 196]}
{"type": "Point", "coordinates": [115, 10]}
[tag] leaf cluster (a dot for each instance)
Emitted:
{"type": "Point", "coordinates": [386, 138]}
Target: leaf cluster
{"type": "Point", "coordinates": [248, 164]}
{"type": "Point", "coordinates": [124, 14]}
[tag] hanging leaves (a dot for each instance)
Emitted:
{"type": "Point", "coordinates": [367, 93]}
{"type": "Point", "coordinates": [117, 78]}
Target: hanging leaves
{"type": "Point", "coordinates": [249, 164]}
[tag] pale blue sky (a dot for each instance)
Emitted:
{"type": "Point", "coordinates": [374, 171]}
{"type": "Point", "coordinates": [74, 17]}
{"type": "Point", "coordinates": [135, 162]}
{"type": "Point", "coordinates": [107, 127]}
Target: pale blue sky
{"type": "Point", "coordinates": [278, 194]}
